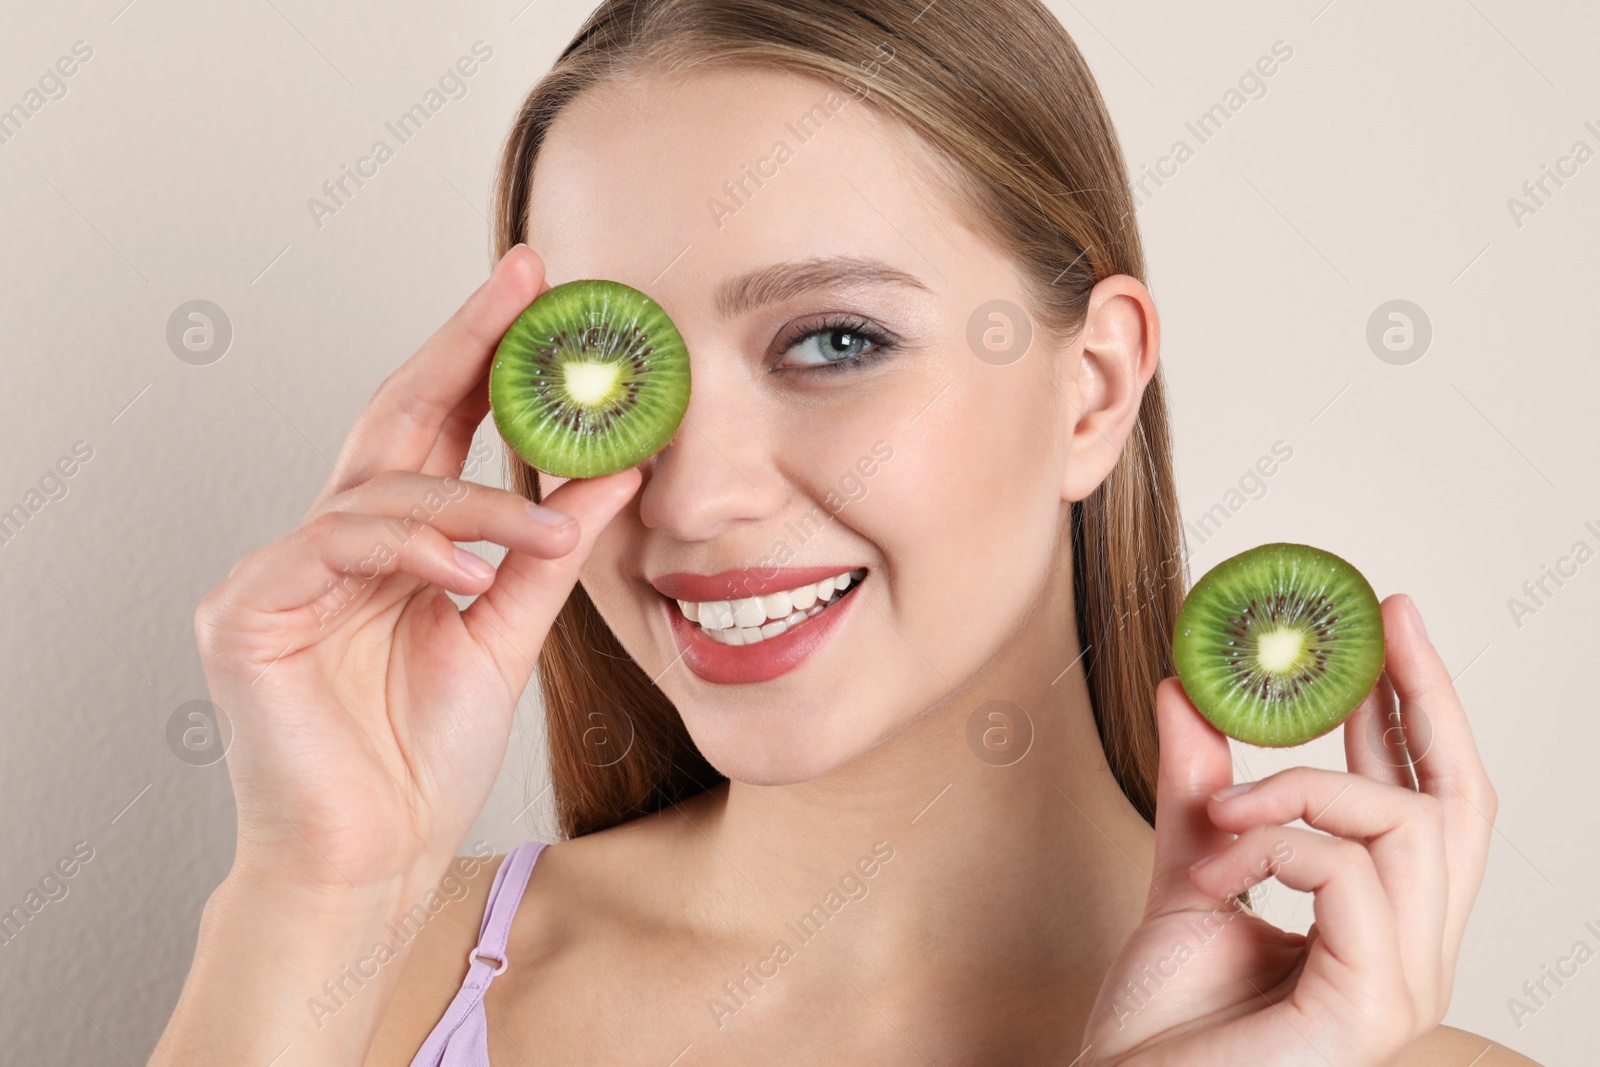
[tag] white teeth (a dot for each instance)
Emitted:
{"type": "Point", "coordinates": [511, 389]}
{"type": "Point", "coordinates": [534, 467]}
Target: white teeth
{"type": "Point", "coordinates": [751, 619]}
{"type": "Point", "coordinates": [716, 615]}
{"type": "Point", "coordinates": [748, 635]}
{"type": "Point", "coordinates": [749, 612]}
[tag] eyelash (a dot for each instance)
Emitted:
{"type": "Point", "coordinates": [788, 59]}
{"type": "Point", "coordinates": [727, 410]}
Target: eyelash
{"type": "Point", "coordinates": [882, 343]}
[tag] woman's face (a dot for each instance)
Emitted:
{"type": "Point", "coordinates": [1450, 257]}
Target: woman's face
{"type": "Point", "coordinates": [788, 229]}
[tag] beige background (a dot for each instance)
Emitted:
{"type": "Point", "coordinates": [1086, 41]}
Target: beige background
{"type": "Point", "coordinates": [1376, 166]}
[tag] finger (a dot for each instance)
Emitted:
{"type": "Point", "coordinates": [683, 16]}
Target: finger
{"type": "Point", "coordinates": [401, 425]}
{"type": "Point", "coordinates": [1446, 758]}
{"type": "Point", "coordinates": [1403, 831]}
{"type": "Point", "coordinates": [462, 511]}
{"type": "Point", "coordinates": [1374, 738]}
{"type": "Point", "coordinates": [449, 453]}
{"type": "Point", "coordinates": [337, 559]}
{"type": "Point", "coordinates": [1194, 763]}
{"type": "Point", "coordinates": [513, 617]}
{"type": "Point", "coordinates": [1354, 920]}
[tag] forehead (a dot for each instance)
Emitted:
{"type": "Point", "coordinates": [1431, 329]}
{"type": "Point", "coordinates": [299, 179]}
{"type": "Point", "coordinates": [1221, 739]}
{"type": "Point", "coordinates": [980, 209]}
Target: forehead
{"type": "Point", "coordinates": [722, 167]}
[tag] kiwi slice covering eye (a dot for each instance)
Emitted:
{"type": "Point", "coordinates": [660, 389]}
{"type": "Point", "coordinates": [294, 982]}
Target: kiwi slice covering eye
{"type": "Point", "coordinates": [1277, 645]}
{"type": "Point", "coordinates": [590, 379]}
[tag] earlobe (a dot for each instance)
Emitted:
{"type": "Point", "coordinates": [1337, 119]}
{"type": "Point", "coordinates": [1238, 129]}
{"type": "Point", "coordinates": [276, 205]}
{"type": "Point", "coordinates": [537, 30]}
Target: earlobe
{"type": "Point", "coordinates": [1113, 360]}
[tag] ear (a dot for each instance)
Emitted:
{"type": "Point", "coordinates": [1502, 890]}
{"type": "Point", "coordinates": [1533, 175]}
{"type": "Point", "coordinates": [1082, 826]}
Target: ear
{"type": "Point", "coordinates": [1103, 376]}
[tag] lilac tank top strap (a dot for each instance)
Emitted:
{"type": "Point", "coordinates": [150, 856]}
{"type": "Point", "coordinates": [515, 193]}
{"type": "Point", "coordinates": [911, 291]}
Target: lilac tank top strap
{"type": "Point", "coordinates": [461, 1039]}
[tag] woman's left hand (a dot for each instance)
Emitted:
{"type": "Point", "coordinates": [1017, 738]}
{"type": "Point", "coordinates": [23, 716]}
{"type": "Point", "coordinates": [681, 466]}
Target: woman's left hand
{"type": "Point", "coordinates": [1393, 870]}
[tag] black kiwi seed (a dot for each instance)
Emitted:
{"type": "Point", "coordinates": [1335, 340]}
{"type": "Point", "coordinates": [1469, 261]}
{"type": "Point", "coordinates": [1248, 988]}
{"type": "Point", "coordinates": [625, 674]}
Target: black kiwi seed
{"type": "Point", "coordinates": [1277, 645]}
{"type": "Point", "coordinates": [590, 379]}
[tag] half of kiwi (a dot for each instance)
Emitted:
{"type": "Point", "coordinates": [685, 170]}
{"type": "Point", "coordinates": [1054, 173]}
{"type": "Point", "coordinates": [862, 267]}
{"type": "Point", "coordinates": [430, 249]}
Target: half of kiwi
{"type": "Point", "coordinates": [1279, 644]}
{"type": "Point", "coordinates": [590, 379]}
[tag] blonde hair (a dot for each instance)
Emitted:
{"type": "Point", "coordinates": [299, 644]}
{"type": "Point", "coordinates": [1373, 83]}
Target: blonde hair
{"type": "Point", "coordinates": [1001, 94]}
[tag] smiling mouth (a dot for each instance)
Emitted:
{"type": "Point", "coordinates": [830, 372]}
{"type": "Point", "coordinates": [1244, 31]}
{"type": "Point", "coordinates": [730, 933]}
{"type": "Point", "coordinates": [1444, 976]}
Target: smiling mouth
{"type": "Point", "coordinates": [751, 620]}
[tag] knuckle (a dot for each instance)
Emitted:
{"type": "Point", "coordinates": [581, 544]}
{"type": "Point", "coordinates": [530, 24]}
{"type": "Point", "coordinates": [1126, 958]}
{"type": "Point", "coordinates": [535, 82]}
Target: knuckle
{"type": "Point", "coordinates": [1477, 792]}
{"type": "Point", "coordinates": [1297, 779]}
{"type": "Point", "coordinates": [341, 485]}
{"type": "Point", "coordinates": [382, 483]}
{"type": "Point", "coordinates": [454, 489]}
{"type": "Point", "coordinates": [1285, 778]}
{"type": "Point", "coordinates": [422, 540]}
{"type": "Point", "coordinates": [1491, 801]}
{"type": "Point", "coordinates": [404, 402]}
{"type": "Point", "coordinates": [325, 527]}
{"type": "Point", "coordinates": [244, 562]}
{"type": "Point", "coordinates": [390, 391]}
{"type": "Point", "coordinates": [362, 480]}
{"type": "Point", "coordinates": [209, 617]}
{"type": "Point", "coordinates": [1276, 785]}
{"type": "Point", "coordinates": [1353, 854]}
{"type": "Point", "coordinates": [1429, 811]}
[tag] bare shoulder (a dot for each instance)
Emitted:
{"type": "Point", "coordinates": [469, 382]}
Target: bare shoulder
{"type": "Point", "coordinates": [1445, 1046]}
{"type": "Point", "coordinates": [581, 892]}
{"type": "Point", "coordinates": [439, 929]}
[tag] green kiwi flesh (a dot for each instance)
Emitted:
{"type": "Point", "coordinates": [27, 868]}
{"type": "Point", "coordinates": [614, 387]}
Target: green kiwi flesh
{"type": "Point", "coordinates": [1279, 644]}
{"type": "Point", "coordinates": [590, 379]}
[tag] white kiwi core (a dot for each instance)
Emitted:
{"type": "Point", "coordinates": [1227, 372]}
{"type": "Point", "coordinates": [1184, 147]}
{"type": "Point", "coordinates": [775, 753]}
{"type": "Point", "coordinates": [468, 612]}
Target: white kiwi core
{"type": "Point", "coordinates": [1280, 650]}
{"type": "Point", "coordinates": [591, 383]}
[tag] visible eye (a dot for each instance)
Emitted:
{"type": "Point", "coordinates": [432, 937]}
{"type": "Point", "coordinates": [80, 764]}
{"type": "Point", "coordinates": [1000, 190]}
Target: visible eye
{"type": "Point", "coordinates": [838, 345]}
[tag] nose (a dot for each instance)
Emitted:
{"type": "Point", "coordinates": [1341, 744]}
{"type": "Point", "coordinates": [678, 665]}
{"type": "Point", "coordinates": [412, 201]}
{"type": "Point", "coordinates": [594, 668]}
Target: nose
{"type": "Point", "coordinates": [718, 472]}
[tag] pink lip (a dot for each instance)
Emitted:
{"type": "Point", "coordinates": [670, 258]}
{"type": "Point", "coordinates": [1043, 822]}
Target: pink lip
{"type": "Point", "coordinates": [761, 662]}
{"type": "Point", "coordinates": [738, 584]}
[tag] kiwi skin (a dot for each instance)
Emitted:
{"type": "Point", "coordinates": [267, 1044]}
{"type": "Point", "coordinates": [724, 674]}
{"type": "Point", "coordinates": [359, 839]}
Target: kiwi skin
{"type": "Point", "coordinates": [1262, 591]}
{"type": "Point", "coordinates": [589, 379]}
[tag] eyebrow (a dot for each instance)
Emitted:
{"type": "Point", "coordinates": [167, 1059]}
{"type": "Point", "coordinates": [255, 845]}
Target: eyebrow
{"type": "Point", "coordinates": [784, 281]}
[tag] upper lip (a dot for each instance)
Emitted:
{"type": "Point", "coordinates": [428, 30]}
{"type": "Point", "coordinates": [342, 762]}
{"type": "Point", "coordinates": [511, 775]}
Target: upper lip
{"type": "Point", "coordinates": [742, 583]}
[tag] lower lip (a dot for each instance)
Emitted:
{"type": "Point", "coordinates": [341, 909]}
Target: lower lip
{"type": "Point", "coordinates": [763, 661]}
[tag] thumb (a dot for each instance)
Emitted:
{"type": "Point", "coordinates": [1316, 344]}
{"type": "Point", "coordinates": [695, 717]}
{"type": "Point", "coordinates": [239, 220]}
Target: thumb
{"type": "Point", "coordinates": [512, 617]}
{"type": "Point", "coordinates": [1195, 762]}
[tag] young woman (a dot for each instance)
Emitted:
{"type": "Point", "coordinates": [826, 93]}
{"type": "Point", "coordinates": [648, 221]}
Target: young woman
{"type": "Point", "coordinates": [924, 823]}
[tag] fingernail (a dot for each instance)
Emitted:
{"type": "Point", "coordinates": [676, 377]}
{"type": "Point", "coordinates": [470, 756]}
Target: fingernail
{"type": "Point", "coordinates": [474, 564]}
{"type": "Point", "coordinates": [1232, 791]}
{"type": "Point", "coordinates": [1416, 615]}
{"type": "Point", "coordinates": [549, 516]}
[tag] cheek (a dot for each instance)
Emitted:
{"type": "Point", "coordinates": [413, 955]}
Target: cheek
{"type": "Point", "coordinates": [975, 461]}
{"type": "Point", "coordinates": [967, 512]}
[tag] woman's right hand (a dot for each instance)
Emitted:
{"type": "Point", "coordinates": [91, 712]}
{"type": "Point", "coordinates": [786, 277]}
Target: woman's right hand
{"type": "Point", "coordinates": [370, 714]}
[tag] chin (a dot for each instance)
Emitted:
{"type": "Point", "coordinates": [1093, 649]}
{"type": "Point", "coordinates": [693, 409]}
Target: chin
{"type": "Point", "coordinates": [753, 749]}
